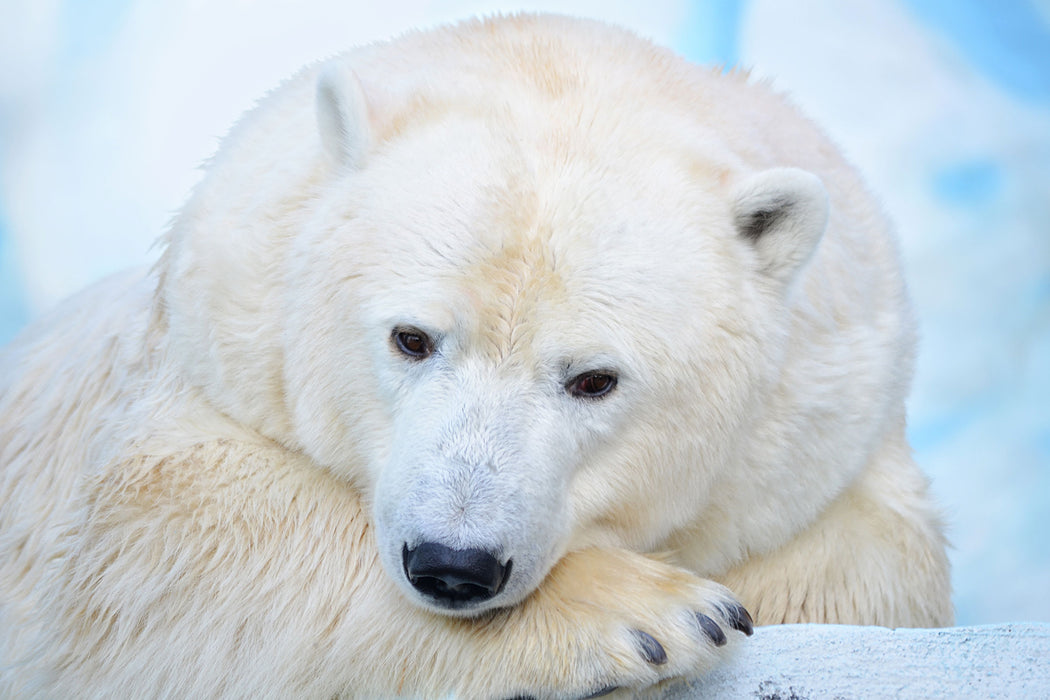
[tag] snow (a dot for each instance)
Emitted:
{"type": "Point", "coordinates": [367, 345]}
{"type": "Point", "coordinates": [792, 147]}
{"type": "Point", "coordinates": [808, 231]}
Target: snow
{"type": "Point", "coordinates": [798, 662]}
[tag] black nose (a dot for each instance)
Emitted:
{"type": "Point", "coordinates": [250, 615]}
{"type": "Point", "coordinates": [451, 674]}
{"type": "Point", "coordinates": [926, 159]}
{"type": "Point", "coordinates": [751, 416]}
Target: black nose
{"type": "Point", "coordinates": [453, 576]}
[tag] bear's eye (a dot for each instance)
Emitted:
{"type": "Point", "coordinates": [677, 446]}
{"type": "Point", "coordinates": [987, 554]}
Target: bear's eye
{"type": "Point", "coordinates": [413, 342]}
{"type": "Point", "coordinates": [591, 385]}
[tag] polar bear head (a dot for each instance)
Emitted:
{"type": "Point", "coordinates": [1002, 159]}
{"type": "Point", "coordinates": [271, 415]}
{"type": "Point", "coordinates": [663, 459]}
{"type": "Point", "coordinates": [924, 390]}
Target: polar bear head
{"type": "Point", "coordinates": [520, 303]}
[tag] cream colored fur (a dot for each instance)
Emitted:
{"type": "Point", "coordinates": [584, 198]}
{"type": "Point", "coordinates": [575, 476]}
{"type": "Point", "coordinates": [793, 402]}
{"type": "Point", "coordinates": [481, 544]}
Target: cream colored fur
{"type": "Point", "coordinates": [209, 469]}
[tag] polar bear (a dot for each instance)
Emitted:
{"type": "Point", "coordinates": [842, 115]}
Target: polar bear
{"type": "Point", "coordinates": [519, 357]}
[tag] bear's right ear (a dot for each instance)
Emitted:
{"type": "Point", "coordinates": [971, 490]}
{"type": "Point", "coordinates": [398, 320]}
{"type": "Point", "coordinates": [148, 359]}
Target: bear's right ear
{"type": "Point", "coordinates": [342, 115]}
{"type": "Point", "coordinates": [782, 212]}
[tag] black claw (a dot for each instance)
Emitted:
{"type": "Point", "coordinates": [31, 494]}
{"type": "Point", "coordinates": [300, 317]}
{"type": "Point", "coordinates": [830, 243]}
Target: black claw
{"type": "Point", "coordinates": [711, 629]}
{"type": "Point", "coordinates": [739, 618]}
{"type": "Point", "coordinates": [650, 648]}
{"type": "Point", "coordinates": [603, 692]}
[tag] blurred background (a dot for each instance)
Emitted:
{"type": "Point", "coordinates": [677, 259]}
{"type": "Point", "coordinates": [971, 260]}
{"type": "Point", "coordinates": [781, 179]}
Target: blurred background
{"type": "Point", "coordinates": [107, 108]}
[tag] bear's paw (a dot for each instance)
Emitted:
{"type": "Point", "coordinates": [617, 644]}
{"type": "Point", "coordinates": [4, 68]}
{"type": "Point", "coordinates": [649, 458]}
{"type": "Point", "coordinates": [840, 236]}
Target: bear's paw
{"type": "Point", "coordinates": [609, 622]}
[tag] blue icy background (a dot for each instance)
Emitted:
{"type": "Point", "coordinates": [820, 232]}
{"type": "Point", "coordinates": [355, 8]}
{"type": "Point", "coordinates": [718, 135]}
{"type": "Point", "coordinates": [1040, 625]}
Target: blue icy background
{"type": "Point", "coordinates": [107, 107]}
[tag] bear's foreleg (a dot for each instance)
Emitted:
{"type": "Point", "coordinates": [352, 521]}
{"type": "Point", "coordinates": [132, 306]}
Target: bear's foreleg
{"type": "Point", "coordinates": [241, 570]}
{"type": "Point", "coordinates": [876, 556]}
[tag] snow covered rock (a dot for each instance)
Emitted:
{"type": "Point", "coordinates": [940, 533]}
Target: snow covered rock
{"type": "Point", "coordinates": [798, 662]}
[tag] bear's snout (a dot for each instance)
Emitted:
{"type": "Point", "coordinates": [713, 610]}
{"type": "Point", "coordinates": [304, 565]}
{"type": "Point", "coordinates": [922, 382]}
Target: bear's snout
{"type": "Point", "coordinates": [454, 578]}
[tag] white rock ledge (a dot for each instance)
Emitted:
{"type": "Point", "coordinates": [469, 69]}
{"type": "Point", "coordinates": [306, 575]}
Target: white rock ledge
{"type": "Point", "coordinates": [807, 662]}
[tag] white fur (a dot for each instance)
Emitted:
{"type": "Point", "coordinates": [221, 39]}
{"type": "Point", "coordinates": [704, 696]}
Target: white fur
{"type": "Point", "coordinates": [209, 471]}
{"type": "Point", "coordinates": [342, 115]}
{"type": "Point", "coordinates": [797, 204]}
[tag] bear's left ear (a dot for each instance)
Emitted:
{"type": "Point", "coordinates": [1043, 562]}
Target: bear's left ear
{"type": "Point", "coordinates": [342, 115]}
{"type": "Point", "coordinates": [783, 213]}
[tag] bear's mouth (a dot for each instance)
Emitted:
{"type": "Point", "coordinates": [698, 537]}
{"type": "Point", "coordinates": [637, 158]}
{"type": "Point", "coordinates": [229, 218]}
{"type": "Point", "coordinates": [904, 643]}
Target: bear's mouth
{"type": "Point", "coordinates": [454, 579]}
